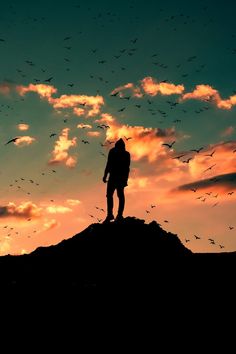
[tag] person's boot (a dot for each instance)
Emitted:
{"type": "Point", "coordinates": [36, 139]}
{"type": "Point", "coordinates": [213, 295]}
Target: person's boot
{"type": "Point", "coordinates": [119, 218]}
{"type": "Point", "coordinates": [109, 218]}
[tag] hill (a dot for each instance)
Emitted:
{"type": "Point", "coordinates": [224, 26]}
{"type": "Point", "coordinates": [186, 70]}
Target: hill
{"type": "Point", "coordinates": [128, 253]}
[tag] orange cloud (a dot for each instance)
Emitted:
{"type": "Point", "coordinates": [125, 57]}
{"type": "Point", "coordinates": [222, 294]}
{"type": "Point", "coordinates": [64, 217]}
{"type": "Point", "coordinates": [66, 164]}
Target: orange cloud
{"type": "Point", "coordinates": [62, 145]}
{"type": "Point", "coordinates": [94, 134]}
{"type": "Point", "coordinates": [223, 159]}
{"type": "Point", "coordinates": [105, 118]}
{"type": "Point", "coordinates": [5, 88]}
{"type": "Point", "coordinates": [228, 103]}
{"type": "Point", "coordinates": [143, 142]}
{"type": "Point", "coordinates": [208, 93]}
{"type": "Point", "coordinates": [24, 140]}
{"type": "Point", "coordinates": [201, 92]}
{"type": "Point", "coordinates": [23, 210]}
{"type": "Point", "coordinates": [93, 103]}
{"type": "Point", "coordinates": [71, 101]}
{"type": "Point", "coordinates": [5, 247]}
{"type": "Point", "coordinates": [44, 91]}
{"type": "Point", "coordinates": [136, 91]}
{"type": "Point", "coordinates": [152, 88]}
{"type": "Point", "coordinates": [79, 111]}
{"type": "Point", "coordinates": [58, 209]}
{"type": "Point", "coordinates": [228, 131]}
{"type": "Point", "coordinates": [50, 224]}
{"type": "Point", "coordinates": [23, 126]}
{"type": "Point", "coordinates": [73, 202]}
{"type": "Point", "coordinates": [84, 126]}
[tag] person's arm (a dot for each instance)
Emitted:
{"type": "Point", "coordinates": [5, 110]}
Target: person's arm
{"type": "Point", "coordinates": [107, 169]}
{"type": "Point", "coordinates": [127, 168]}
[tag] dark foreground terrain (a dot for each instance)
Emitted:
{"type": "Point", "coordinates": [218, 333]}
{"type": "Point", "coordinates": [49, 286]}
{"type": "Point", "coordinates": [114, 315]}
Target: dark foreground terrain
{"type": "Point", "coordinates": [126, 255]}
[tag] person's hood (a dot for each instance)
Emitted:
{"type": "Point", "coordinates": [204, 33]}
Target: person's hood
{"type": "Point", "coordinates": [120, 144]}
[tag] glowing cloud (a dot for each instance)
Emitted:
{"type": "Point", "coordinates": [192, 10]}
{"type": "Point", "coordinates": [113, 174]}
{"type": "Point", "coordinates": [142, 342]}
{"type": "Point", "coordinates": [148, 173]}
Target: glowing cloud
{"type": "Point", "coordinates": [93, 103]}
{"type": "Point", "coordinates": [23, 126]}
{"type": "Point", "coordinates": [50, 224]}
{"type": "Point", "coordinates": [24, 140]}
{"type": "Point", "coordinates": [201, 92]}
{"type": "Point", "coordinates": [208, 93]}
{"type": "Point", "coordinates": [152, 88]}
{"type": "Point", "coordinates": [5, 247]}
{"type": "Point", "coordinates": [58, 209]}
{"type": "Point", "coordinates": [143, 142]}
{"type": "Point", "coordinates": [44, 91]}
{"type": "Point", "coordinates": [228, 131]}
{"type": "Point", "coordinates": [71, 101]}
{"type": "Point", "coordinates": [73, 202]}
{"type": "Point", "coordinates": [223, 159]}
{"type": "Point", "coordinates": [94, 134]}
{"type": "Point", "coordinates": [5, 88]}
{"type": "Point", "coordinates": [23, 210]}
{"type": "Point", "coordinates": [62, 145]}
{"type": "Point", "coordinates": [84, 126]}
{"type": "Point", "coordinates": [136, 91]}
{"type": "Point", "coordinates": [79, 111]}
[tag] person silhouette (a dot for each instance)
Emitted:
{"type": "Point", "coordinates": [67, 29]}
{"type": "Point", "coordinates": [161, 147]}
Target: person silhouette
{"type": "Point", "coordinates": [118, 167]}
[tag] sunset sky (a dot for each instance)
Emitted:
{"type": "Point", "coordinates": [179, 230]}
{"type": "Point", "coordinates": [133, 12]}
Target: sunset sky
{"type": "Point", "coordinates": [78, 75]}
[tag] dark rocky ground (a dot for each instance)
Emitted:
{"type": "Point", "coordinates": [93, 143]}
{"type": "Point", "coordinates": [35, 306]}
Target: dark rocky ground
{"type": "Point", "coordinates": [129, 254]}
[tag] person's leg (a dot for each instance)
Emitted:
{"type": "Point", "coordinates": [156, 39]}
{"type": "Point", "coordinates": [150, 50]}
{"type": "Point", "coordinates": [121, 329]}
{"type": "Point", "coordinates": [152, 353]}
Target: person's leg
{"type": "Point", "coordinates": [110, 192]}
{"type": "Point", "coordinates": [121, 196]}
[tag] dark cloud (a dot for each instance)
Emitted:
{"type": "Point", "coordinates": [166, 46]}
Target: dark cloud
{"type": "Point", "coordinates": [3, 211]}
{"type": "Point", "coordinates": [228, 181]}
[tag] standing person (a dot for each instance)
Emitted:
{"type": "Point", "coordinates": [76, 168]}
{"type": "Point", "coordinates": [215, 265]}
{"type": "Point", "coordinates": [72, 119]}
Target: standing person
{"type": "Point", "coordinates": [118, 166]}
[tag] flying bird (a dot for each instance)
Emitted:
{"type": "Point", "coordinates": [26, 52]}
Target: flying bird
{"type": "Point", "coordinates": [197, 150]}
{"type": "Point", "coordinates": [197, 237]}
{"type": "Point", "coordinates": [127, 138]}
{"type": "Point", "coordinates": [49, 80]}
{"type": "Point", "coordinates": [169, 145]}
{"type": "Point", "coordinates": [12, 140]}
{"type": "Point", "coordinates": [211, 155]}
{"type": "Point", "coordinates": [178, 157]}
{"type": "Point", "coordinates": [209, 168]}
{"type": "Point", "coordinates": [53, 134]}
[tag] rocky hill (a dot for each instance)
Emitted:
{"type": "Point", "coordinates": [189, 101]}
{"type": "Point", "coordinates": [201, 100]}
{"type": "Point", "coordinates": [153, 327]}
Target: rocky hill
{"type": "Point", "coordinates": [128, 253]}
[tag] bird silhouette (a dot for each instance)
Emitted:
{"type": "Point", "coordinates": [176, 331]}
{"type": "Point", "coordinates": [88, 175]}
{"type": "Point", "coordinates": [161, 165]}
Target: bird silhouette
{"type": "Point", "coordinates": [197, 150]}
{"type": "Point", "coordinates": [53, 134]}
{"type": "Point", "coordinates": [127, 138]}
{"type": "Point", "coordinates": [178, 157]}
{"type": "Point", "coordinates": [209, 168]}
{"type": "Point", "coordinates": [49, 80]}
{"type": "Point", "coordinates": [211, 155]}
{"type": "Point", "coordinates": [169, 145]}
{"type": "Point", "coordinates": [12, 140]}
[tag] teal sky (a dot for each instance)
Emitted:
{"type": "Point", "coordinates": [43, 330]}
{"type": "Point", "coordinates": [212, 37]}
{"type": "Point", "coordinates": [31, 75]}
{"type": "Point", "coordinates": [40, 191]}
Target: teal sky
{"type": "Point", "coordinates": [181, 42]}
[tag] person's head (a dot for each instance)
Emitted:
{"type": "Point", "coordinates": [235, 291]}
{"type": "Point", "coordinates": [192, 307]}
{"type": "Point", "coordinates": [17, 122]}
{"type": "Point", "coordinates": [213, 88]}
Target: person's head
{"type": "Point", "coordinates": [120, 144]}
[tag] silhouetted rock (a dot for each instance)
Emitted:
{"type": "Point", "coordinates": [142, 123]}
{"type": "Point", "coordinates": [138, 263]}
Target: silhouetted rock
{"type": "Point", "coordinates": [128, 253]}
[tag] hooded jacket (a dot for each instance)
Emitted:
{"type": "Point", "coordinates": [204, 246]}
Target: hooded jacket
{"type": "Point", "coordinates": [118, 164]}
